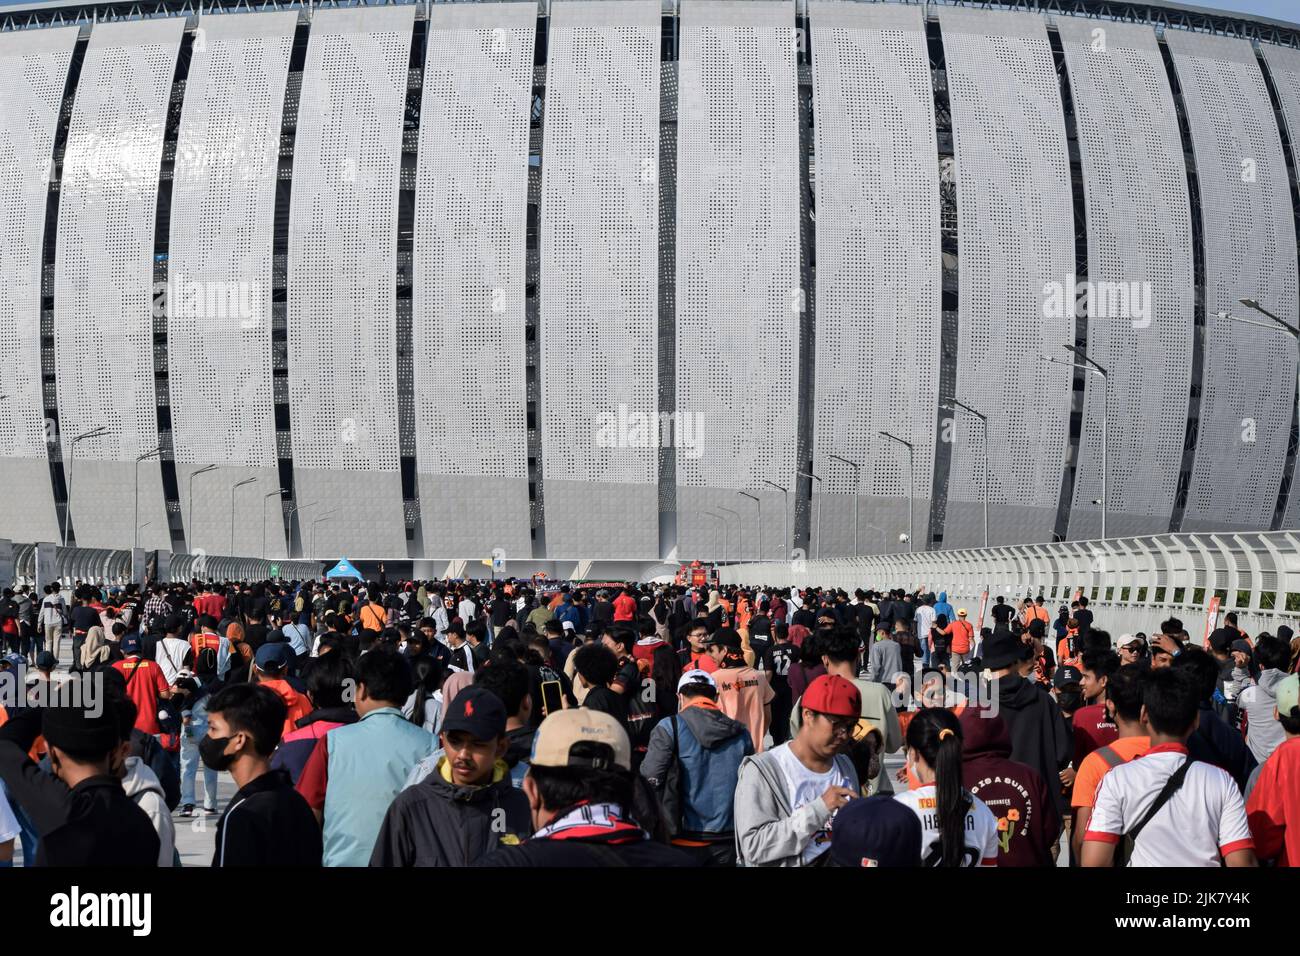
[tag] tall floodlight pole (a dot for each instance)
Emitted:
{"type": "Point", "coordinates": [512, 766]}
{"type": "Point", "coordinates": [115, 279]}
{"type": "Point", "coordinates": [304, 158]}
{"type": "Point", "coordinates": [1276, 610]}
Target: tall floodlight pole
{"type": "Point", "coordinates": [758, 501]}
{"type": "Point", "coordinates": [857, 491]}
{"type": "Point", "coordinates": [911, 485]}
{"type": "Point", "coordinates": [238, 484]}
{"type": "Point", "coordinates": [189, 521]}
{"type": "Point", "coordinates": [72, 454]}
{"type": "Point", "coordinates": [1085, 364]}
{"type": "Point", "coordinates": [953, 405]}
{"type": "Point", "coordinates": [135, 524]}
{"type": "Point", "coordinates": [785, 516]}
{"type": "Point", "coordinates": [817, 552]}
{"type": "Point", "coordinates": [740, 530]}
{"type": "Point", "coordinates": [297, 509]}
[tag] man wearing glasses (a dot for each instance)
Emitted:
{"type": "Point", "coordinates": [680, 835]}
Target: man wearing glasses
{"type": "Point", "coordinates": [787, 797]}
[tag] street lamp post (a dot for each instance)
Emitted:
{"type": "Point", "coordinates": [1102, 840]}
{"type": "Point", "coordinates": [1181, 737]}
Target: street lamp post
{"type": "Point", "coordinates": [1276, 325]}
{"type": "Point", "coordinates": [314, 522]}
{"type": "Point", "coordinates": [238, 484]}
{"type": "Point", "coordinates": [857, 491]}
{"type": "Point", "coordinates": [726, 545]}
{"type": "Point", "coordinates": [265, 498]}
{"type": "Point", "coordinates": [740, 530]}
{"type": "Point", "coordinates": [817, 553]}
{"type": "Point", "coordinates": [135, 524]}
{"type": "Point", "coordinates": [758, 501]}
{"type": "Point", "coordinates": [72, 454]}
{"type": "Point", "coordinates": [911, 485]}
{"type": "Point", "coordinates": [189, 522]}
{"type": "Point", "coordinates": [295, 509]}
{"type": "Point", "coordinates": [785, 516]}
{"type": "Point", "coordinates": [1087, 365]}
{"type": "Point", "coordinates": [952, 405]}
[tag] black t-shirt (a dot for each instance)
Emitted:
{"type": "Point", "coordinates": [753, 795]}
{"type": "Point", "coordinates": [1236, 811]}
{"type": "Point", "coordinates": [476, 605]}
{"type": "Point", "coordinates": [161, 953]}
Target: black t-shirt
{"type": "Point", "coordinates": [84, 617]}
{"type": "Point", "coordinates": [762, 649]}
{"type": "Point", "coordinates": [1003, 613]}
{"type": "Point", "coordinates": [1084, 617]}
{"type": "Point", "coordinates": [781, 657]}
{"type": "Point", "coordinates": [606, 701]}
{"type": "Point", "coordinates": [255, 636]}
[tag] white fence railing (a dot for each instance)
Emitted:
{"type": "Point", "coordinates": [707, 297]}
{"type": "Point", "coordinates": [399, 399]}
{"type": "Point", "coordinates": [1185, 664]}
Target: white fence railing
{"type": "Point", "coordinates": [1132, 584]}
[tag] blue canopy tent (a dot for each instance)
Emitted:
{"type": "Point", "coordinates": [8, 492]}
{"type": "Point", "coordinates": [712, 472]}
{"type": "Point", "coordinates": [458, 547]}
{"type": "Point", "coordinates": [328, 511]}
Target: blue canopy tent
{"type": "Point", "coordinates": [342, 570]}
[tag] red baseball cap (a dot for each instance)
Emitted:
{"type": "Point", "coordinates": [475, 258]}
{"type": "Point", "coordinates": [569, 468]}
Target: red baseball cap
{"type": "Point", "coordinates": [832, 694]}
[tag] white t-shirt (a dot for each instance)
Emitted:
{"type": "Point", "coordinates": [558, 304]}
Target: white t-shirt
{"type": "Point", "coordinates": [981, 825]}
{"type": "Point", "coordinates": [8, 822]}
{"type": "Point", "coordinates": [803, 786]}
{"type": "Point", "coordinates": [1203, 820]}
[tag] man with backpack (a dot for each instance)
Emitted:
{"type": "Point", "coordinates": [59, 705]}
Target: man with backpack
{"type": "Point", "coordinates": [693, 762]}
{"type": "Point", "coordinates": [1167, 809]}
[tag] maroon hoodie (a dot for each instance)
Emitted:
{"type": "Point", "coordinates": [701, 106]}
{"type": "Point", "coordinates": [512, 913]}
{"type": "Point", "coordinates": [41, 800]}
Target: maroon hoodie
{"type": "Point", "coordinates": [1028, 821]}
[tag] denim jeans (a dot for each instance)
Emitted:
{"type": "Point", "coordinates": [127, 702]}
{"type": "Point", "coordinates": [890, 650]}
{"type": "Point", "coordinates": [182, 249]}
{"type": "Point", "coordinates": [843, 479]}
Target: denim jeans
{"type": "Point", "coordinates": [191, 761]}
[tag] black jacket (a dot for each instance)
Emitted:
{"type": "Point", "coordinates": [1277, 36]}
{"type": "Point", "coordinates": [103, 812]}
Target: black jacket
{"type": "Point", "coordinates": [1040, 736]}
{"type": "Point", "coordinates": [1215, 742]}
{"type": "Point", "coordinates": [439, 823]}
{"type": "Point", "coordinates": [92, 824]}
{"type": "Point", "coordinates": [268, 823]}
{"type": "Point", "coordinates": [554, 853]}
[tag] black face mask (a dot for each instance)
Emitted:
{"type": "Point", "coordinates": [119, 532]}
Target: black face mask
{"type": "Point", "coordinates": [212, 752]}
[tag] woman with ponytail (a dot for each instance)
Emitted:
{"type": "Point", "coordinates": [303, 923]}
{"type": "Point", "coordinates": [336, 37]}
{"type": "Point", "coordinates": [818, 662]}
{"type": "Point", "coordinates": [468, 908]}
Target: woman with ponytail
{"type": "Point", "coordinates": [957, 829]}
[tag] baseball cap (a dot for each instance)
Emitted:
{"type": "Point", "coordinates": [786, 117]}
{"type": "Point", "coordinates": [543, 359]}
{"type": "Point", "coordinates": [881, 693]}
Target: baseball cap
{"type": "Point", "coordinates": [1066, 674]}
{"type": "Point", "coordinates": [1287, 692]}
{"type": "Point", "coordinates": [581, 737]}
{"type": "Point", "coordinates": [876, 831]}
{"type": "Point", "coordinates": [130, 644]}
{"type": "Point", "coordinates": [1243, 645]}
{"type": "Point", "coordinates": [725, 637]}
{"type": "Point", "coordinates": [834, 695]}
{"type": "Point", "coordinates": [46, 660]}
{"type": "Point", "coordinates": [1221, 639]}
{"type": "Point", "coordinates": [272, 656]}
{"type": "Point", "coordinates": [478, 712]}
{"type": "Point", "coordinates": [569, 626]}
{"type": "Point", "coordinates": [695, 677]}
{"type": "Point", "coordinates": [1130, 641]}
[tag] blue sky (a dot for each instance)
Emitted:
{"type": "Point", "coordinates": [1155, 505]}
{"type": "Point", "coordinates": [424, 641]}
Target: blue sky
{"type": "Point", "coordinates": [1288, 10]}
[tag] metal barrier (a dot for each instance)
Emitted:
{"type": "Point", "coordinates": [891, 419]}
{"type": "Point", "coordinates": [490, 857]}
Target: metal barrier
{"type": "Point", "coordinates": [1132, 584]}
{"type": "Point", "coordinates": [110, 567]}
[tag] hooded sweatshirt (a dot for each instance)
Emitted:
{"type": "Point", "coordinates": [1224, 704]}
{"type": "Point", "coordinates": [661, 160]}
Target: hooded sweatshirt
{"type": "Point", "coordinates": [441, 823]}
{"type": "Point", "coordinates": [1263, 732]}
{"type": "Point", "coordinates": [694, 759]}
{"type": "Point", "coordinates": [943, 607]}
{"type": "Point", "coordinates": [768, 831]}
{"type": "Point", "coordinates": [1028, 820]}
{"type": "Point", "coordinates": [1040, 736]}
{"type": "Point", "coordinates": [142, 786]}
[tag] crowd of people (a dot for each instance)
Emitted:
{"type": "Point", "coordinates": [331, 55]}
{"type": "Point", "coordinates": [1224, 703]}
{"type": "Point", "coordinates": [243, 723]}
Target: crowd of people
{"type": "Point", "coordinates": [513, 724]}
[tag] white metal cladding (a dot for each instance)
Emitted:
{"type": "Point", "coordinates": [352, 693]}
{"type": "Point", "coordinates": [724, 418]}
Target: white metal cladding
{"type": "Point", "coordinates": [35, 67]}
{"type": "Point", "coordinates": [342, 277]}
{"type": "Point", "coordinates": [1284, 65]}
{"type": "Point", "coordinates": [103, 288]}
{"type": "Point", "coordinates": [739, 298]}
{"type": "Point", "coordinates": [219, 278]}
{"type": "Point", "coordinates": [1132, 583]}
{"type": "Point", "coordinates": [1016, 242]}
{"type": "Point", "coordinates": [878, 274]}
{"type": "Point", "coordinates": [468, 318]}
{"type": "Point", "coordinates": [1250, 252]}
{"type": "Point", "coordinates": [1141, 304]}
{"type": "Point", "coordinates": [600, 271]}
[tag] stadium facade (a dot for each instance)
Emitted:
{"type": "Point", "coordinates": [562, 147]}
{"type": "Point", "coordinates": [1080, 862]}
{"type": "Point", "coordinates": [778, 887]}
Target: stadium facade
{"type": "Point", "coordinates": [563, 281]}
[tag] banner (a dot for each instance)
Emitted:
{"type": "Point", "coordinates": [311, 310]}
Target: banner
{"type": "Point", "coordinates": [984, 600]}
{"type": "Point", "coordinates": [1211, 620]}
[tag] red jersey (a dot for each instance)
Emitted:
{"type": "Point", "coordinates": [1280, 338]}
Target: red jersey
{"type": "Point", "coordinates": [624, 607]}
{"type": "Point", "coordinates": [144, 684]}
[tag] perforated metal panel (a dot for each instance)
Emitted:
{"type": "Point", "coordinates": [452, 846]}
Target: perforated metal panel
{"type": "Point", "coordinates": [878, 274]}
{"type": "Point", "coordinates": [599, 295]}
{"type": "Point", "coordinates": [219, 280]}
{"type": "Point", "coordinates": [738, 285]}
{"type": "Point", "coordinates": [1284, 65]}
{"type": "Point", "coordinates": [103, 289]}
{"type": "Point", "coordinates": [1015, 241]}
{"type": "Point", "coordinates": [468, 320]}
{"type": "Point", "coordinates": [35, 67]}
{"type": "Point", "coordinates": [1250, 252]}
{"type": "Point", "coordinates": [342, 278]}
{"type": "Point", "coordinates": [1140, 273]}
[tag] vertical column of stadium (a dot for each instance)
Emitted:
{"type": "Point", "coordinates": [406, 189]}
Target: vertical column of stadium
{"type": "Point", "coordinates": [1286, 489]}
{"type": "Point", "coordinates": [1198, 272]}
{"type": "Point", "coordinates": [948, 265]}
{"type": "Point", "coordinates": [161, 244]}
{"type": "Point", "coordinates": [533, 292]}
{"type": "Point", "coordinates": [802, 536]}
{"type": "Point", "coordinates": [1078, 384]}
{"type": "Point", "coordinates": [49, 386]}
{"type": "Point", "coordinates": [403, 340]}
{"type": "Point", "coordinates": [669, 49]}
{"type": "Point", "coordinates": [279, 281]}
